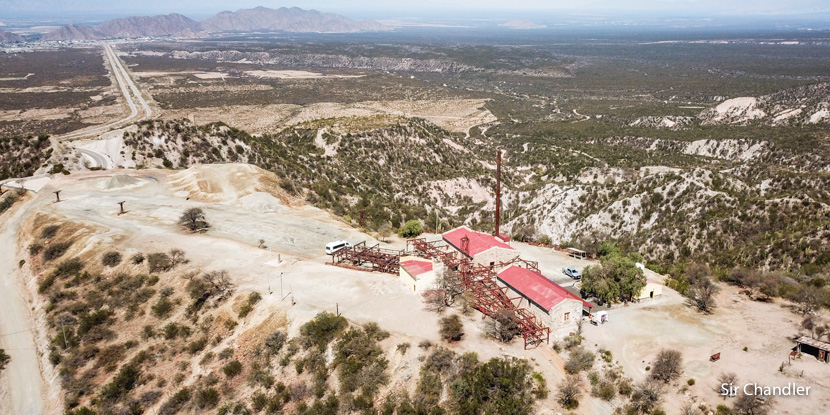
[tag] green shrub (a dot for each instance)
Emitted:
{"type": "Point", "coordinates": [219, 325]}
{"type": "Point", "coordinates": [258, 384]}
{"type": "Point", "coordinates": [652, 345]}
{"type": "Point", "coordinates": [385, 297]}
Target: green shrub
{"type": "Point", "coordinates": [451, 328]}
{"type": "Point", "coordinates": [322, 330]}
{"type": "Point", "coordinates": [411, 229]}
{"type": "Point", "coordinates": [162, 308]}
{"type": "Point", "coordinates": [232, 369]}
{"type": "Point", "coordinates": [111, 259]}
{"type": "Point", "coordinates": [35, 249]}
{"type": "Point", "coordinates": [176, 403]}
{"type": "Point", "coordinates": [49, 232]}
{"type": "Point", "coordinates": [197, 345]}
{"type": "Point", "coordinates": [690, 382]}
{"type": "Point", "coordinates": [55, 250]}
{"type": "Point", "coordinates": [206, 398]}
{"type": "Point", "coordinates": [125, 381]}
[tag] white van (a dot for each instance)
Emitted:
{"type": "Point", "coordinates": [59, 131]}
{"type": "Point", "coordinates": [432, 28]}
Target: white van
{"type": "Point", "coordinates": [335, 246]}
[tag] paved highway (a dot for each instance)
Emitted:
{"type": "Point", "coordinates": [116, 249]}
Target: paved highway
{"type": "Point", "coordinates": [130, 92]}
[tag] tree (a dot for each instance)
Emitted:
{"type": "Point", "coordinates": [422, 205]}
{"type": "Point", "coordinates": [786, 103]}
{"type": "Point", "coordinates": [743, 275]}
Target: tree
{"type": "Point", "coordinates": [580, 359]}
{"type": "Point", "coordinates": [193, 219]}
{"type": "Point", "coordinates": [667, 365]}
{"type": "Point", "coordinates": [617, 277]}
{"type": "Point", "coordinates": [384, 232]}
{"type": "Point", "coordinates": [411, 229]}
{"type": "Point", "coordinates": [809, 298]}
{"type": "Point", "coordinates": [500, 386]}
{"type": "Point", "coordinates": [569, 392]}
{"type": "Point", "coordinates": [504, 325]}
{"type": "Point", "coordinates": [701, 293]}
{"type": "Point", "coordinates": [751, 405]}
{"type": "Point", "coordinates": [646, 397]}
{"type": "Point", "coordinates": [452, 329]}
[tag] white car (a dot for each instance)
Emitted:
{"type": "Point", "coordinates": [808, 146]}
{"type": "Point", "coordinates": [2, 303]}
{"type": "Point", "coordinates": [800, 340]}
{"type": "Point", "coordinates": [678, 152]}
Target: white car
{"type": "Point", "coordinates": [572, 272]}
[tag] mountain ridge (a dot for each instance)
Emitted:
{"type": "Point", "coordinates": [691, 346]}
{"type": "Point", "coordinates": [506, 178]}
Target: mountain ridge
{"type": "Point", "coordinates": [292, 20]}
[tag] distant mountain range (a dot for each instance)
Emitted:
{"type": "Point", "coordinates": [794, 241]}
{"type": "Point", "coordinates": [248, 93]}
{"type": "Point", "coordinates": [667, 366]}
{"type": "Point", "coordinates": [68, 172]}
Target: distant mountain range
{"type": "Point", "coordinates": [260, 19]}
{"type": "Point", "coordinates": [9, 37]}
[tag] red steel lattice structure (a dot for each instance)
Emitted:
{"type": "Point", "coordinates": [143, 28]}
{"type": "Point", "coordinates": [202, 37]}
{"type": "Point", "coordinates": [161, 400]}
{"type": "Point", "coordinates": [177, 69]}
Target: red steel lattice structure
{"type": "Point", "coordinates": [364, 258]}
{"type": "Point", "coordinates": [481, 281]}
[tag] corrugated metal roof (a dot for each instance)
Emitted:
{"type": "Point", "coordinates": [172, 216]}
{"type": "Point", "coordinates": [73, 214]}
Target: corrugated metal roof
{"type": "Point", "coordinates": [416, 267]}
{"type": "Point", "coordinates": [536, 287]}
{"type": "Point", "coordinates": [813, 342]}
{"type": "Point", "coordinates": [479, 242]}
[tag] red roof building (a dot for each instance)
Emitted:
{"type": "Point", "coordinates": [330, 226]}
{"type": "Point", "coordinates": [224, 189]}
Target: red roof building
{"type": "Point", "coordinates": [539, 290]}
{"type": "Point", "coordinates": [416, 267]}
{"type": "Point", "coordinates": [479, 246]}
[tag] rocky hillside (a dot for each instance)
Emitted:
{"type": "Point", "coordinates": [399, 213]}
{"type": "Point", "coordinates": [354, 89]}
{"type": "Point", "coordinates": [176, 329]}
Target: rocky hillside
{"type": "Point", "coordinates": [284, 19]}
{"type": "Point", "coordinates": [9, 37]}
{"type": "Point", "coordinates": [799, 106]}
{"type": "Point", "coordinates": [393, 169]}
{"type": "Point", "coordinates": [174, 25]}
{"type": "Point", "coordinates": [260, 19]}
{"type": "Point", "coordinates": [668, 199]}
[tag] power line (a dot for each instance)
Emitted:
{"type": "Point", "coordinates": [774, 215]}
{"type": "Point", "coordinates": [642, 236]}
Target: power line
{"type": "Point", "coordinates": [17, 332]}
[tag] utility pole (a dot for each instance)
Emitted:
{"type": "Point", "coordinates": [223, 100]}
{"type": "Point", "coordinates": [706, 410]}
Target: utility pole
{"type": "Point", "coordinates": [57, 195]}
{"type": "Point", "coordinates": [281, 296]}
{"type": "Point", "coordinates": [498, 191]}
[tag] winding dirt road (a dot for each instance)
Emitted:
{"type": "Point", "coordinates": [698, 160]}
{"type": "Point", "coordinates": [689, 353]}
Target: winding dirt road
{"type": "Point", "coordinates": [24, 383]}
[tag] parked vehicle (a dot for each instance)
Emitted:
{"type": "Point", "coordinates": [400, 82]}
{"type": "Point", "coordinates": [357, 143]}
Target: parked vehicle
{"type": "Point", "coordinates": [335, 246]}
{"type": "Point", "coordinates": [572, 272]}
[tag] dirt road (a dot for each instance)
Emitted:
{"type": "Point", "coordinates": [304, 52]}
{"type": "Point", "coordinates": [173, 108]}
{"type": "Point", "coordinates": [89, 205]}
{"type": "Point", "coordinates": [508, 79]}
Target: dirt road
{"type": "Point", "coordinates": [24, 386]}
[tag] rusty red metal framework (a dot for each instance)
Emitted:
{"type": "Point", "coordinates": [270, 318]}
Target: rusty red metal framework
{"type": "Point", "coordinates": [481, 282]}
{"type": "Point", "coordinates": [364, 258]}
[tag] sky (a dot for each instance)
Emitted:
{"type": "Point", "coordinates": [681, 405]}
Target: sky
{"type": "Point", "coordinates": [392, 7]}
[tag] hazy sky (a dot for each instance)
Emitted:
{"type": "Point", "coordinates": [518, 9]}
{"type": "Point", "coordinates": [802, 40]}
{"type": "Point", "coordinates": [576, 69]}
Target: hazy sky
{"type": "Point", "coordinates": [705, 7]}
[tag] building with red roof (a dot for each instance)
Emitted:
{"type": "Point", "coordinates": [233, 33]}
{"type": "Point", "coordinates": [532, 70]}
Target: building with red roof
{"type": "Point", "coordinates": [416, 273]}
{"type": "Point", "coordinates": [481, 248]}
{"type": "Point", "coordinates": [555, 306]}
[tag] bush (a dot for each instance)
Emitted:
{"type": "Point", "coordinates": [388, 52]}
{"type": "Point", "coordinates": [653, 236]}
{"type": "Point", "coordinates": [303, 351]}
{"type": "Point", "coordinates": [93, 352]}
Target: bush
{"type": "Point", "coordinates": [232, 369]}
{"type": "Point", "coordinates": [162, 308]}
{"type": "Point", "coordinates": [49, 232]}
{"type": "Point", "coordinates": [580, 359]}
{"type": "Point", "coordinates": [176, 402]}
{"type": "Point", "coordinates": [111, 259]}
{"type": "Point", "coordinates": [159, 261]}
{"type": "Point", "coordinates": [206, 398]}
{"type": "Point", "coordinates": [137, 258]}
{"type": "Point", "coordinates": [125, 381]}
{"type": "Point", "coordinates": [275, 342]}
{"type": "Point", "coordinates": [452, 329]}
{"type": "Point", "coordinates": [4, 359]}
{"type": "Point", "coordinates": [35, 249]}
{"type": "Point", "coordinates": [322, 330]}
{"type": "Point", "coordinates": [411, 229]}
{"type": "Point", "coordinates": [55, 250]}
